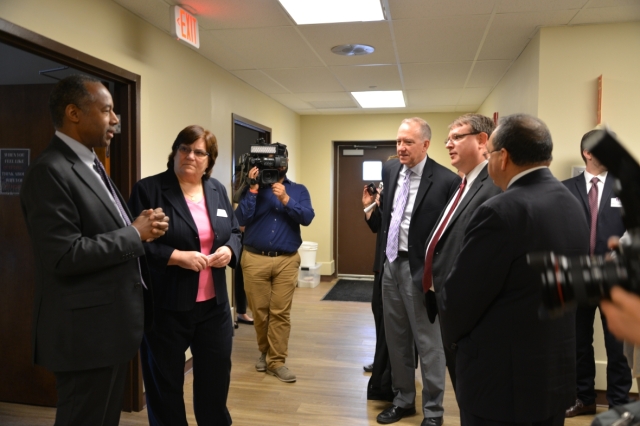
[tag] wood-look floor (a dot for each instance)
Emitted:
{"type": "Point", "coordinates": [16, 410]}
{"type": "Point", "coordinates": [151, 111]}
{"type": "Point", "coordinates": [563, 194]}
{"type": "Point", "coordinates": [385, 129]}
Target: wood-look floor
{"type": "Point", "coordinates": [329, 344]}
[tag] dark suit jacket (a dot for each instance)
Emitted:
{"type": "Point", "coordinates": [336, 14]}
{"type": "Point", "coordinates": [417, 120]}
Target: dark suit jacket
{"type": "Point", "coordinates": [609, 218]}
{"type": "Point", "coordinates": [450, 241]}
{"type": "Point", "coordinates": [88, 310]}
{"type": "Point", "coordinates": [436, 187]}
{"type": "Point", "coordinates": [512, 366]}
{"type": "Point", "coordinates": [176, 288]}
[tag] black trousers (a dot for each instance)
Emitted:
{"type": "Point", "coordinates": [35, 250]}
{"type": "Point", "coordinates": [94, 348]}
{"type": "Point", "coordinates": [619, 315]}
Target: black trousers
{"type": "Point", "coordinates": [207, 330]}
{"type": "Point", "coordinates": [468, 419]}
{"type": "Point", "coordinates": [618, 372]}
{"type": "Point", "coordinates": [379, 387]}
{"type": "Point", "coordinates": [238, 287]}
{"type": "Point", "coordinates": [90, 397]}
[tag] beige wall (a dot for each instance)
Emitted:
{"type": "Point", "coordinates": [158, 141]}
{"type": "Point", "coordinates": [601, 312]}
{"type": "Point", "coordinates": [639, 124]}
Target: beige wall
{"type": "Point", "coordinates": [518, 89]}
{"type": "Point", "coordinates": [571, 59]}
{"type": "Point", "coordinates": [318, 134]}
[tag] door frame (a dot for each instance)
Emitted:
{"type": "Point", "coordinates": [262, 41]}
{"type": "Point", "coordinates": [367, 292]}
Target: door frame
{"type": "Point", "coordinates": [337, 144]}
{"type": "Point", "coordinates": [125, 156]}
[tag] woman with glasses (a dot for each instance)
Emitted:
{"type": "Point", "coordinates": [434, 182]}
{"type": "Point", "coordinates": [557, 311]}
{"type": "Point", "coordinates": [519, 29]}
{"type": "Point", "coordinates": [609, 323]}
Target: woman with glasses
{"type": "Point", "coordinates": [187, 264]}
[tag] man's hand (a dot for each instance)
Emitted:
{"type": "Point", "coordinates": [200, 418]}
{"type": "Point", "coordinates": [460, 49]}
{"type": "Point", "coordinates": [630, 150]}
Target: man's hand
{"type": "Point", "coordinates": [280, 192]}
{"type": "Point", "coordinates": [193, 260]}
{"type": "Point", "coordinates": [151, 224]}
{"type": "Point", "coordinates": [253, 174]}
{"type": "Point", "coordinates": [368, 199]}
{"type": "Point", "coordinates": [623, 314]}
{"type": "Point", "coordinates": [220, 258]}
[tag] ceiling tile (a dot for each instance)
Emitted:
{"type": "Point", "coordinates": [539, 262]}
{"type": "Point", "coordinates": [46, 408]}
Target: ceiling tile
{"type": "Point", "coordinates": [325, 96]}
{"type": "Point", "coordinates": [432, 40]}
{"type": "Point", "coordinates": [474, 95]}
{"type": "Point", "coordinates": [377, 34]}
{"type": "Point", "coordinates": [539, 5]}
{"type": "Point", "coordinates": [441, 74]}
{"type": "Point", "coordinates": [156, 12]}
{"type": "Point", "coordinates": [432, 97]}
{"type": "Point", "coordinates": [260, 81]}
{"type": "Point", "coordinates": [511, 32]}
{"type": "Point", "coordinates": [292, 101]}
{"type": "Point", "coordinates": [305, 80]}
{"type": "Point", "coordinates": [603, 15]}
{"type": "Point", "coordinates": [222, 55]}
{"type": "Point", "coordinates": [488, 73]}
{"type": "Point", "coordinates": [411, 9]}
{"type": "Point", "coordinates": [334, 104]}
{"type": "Point", "coordinates": [278, 47]}
{"type": "Point", "coordinates": [224, 14]}
{"type": "Point", "coordinates": [357, 79]}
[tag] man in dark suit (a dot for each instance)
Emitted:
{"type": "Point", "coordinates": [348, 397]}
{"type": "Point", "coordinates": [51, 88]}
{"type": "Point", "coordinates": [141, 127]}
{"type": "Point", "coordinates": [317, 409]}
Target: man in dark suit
{"type": "Point", "coordinates": [88, 310]}
{"type": "Point", "coordinates": [607, 222]}
{"type": "Point", "coordinates": [467, 145]}
{"type": "Point", "coordinates": [511, 366]}
{"type": "Point", "coordinates": [416, 190]}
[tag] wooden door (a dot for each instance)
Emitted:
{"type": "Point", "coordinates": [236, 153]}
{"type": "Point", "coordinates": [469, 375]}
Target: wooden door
{"type": "Point", "coordinates": [355, 243]}
{"type": "Point", "coordinates": [24, 123]}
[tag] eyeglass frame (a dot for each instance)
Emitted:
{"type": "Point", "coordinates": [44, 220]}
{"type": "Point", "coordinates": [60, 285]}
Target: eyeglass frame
{"type": "Point", "coordinates": [459, 137]}
{"type": "Point", "coordinates": [198, 153]}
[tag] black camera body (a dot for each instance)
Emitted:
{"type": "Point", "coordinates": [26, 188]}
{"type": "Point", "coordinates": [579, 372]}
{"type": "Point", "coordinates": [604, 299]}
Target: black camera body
{"type": "Point", "coordinates": [585, 280]}
{"type": "Point", "coordinates": [268, 158]}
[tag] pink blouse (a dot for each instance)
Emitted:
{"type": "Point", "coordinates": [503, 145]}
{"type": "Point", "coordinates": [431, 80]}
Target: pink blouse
{"type": "Point", "coordinates": [206, 290]}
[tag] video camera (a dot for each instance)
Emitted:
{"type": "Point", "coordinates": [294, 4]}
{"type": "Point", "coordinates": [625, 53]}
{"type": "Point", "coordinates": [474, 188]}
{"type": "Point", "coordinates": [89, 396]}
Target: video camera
{"type": "Point", "coordinates": [585, 280]}
{"type": "Point", "coordinates": [268, 158]}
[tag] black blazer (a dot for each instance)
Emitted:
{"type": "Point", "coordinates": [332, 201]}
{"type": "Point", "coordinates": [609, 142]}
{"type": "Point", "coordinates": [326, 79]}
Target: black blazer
{"type": "Point", "coordinates": [609, 218]}
{"type": "Point", "coordinates": [88, 311]}
{"type": "Point", "coordinates": [436, 187]}
{"type": "Point", "coordinates": [450, 241]}
{"type": "Point", "coordinates": [176, 288]}
{"type": "Point", "coordinates": [512, 366]}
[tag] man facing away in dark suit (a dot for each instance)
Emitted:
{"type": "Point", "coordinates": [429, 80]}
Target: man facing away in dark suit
{"type": "Point", "coordinates": [467, 145]}
{"type": "Point", "coordinates": [88, 308]}
{"type": "Point", "coordinates": [607, 222]}
{"type": "Point", "coordinates": [512, 367]}
{"type": "Point", "coordinates": [416, 190]}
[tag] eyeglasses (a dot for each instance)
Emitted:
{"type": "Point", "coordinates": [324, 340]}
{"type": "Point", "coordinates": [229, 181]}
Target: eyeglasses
{"type": "Point", "coordinates": [185, 150]}
{"type": "Point", "coordinates": [495, 150]}
{"type": "Point", "coordinates": [456, 138]}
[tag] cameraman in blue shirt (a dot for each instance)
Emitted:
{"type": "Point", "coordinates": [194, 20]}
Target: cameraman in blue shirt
{"type": "Point", "coordinates": [272, 215]}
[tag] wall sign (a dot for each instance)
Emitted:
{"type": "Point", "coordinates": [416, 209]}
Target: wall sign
{"type": "Point", "coordinates": [185, 27]}
{"type": "Point", "coordinates": [13, 166]}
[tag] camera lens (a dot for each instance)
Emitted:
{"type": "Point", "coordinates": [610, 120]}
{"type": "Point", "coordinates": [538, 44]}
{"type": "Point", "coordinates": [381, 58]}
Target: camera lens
{"type": "Point", "coordinates": [582, 280]}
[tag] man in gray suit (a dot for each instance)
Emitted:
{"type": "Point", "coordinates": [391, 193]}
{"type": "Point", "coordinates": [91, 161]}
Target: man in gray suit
{"type": "Point", "coordinates": [467, 145]}
{"type": "Point", "coordinates": [88, 305]}
{"type": "Point", "coordinates": [416, 190]}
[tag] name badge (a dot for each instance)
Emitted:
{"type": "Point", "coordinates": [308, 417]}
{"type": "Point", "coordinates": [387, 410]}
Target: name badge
{"type": "Point", "coordinates": [615, 202]}
{"type": "Point", "coordinates": [222, 213]}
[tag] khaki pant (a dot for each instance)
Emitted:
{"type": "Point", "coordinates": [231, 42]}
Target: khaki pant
{"type": "Point", "coordinates": [269, 283]}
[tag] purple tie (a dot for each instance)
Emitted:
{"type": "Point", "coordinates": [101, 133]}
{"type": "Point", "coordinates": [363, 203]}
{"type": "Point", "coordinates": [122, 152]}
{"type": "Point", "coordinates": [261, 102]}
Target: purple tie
{"type": "Point", "coordinates": [98, 167]}
{"type": "Point", "coordinates": [396, 218]}
{"type": "Point", "coordinates": [593, 208]}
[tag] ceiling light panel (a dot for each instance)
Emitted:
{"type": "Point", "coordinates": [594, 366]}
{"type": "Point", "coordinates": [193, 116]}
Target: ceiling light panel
{"type": "Point", "coordinates": [332, 11]}
{"type": "Point", "coordinates": [381, 99]}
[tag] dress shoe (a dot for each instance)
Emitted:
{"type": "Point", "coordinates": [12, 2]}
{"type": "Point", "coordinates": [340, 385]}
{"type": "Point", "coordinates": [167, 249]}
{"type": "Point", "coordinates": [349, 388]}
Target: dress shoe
{"type": "Point", "coordinates": [394, 414]}
{"type": "Point", "coordinates": [368, 368]}
{"type": "Point", "coordinates": [579, 409]}
{"type": "Point", "coordinates": [431, 421]}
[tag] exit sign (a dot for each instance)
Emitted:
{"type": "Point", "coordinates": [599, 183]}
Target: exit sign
{"type": "Point", "coordinates": [185, 27]}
